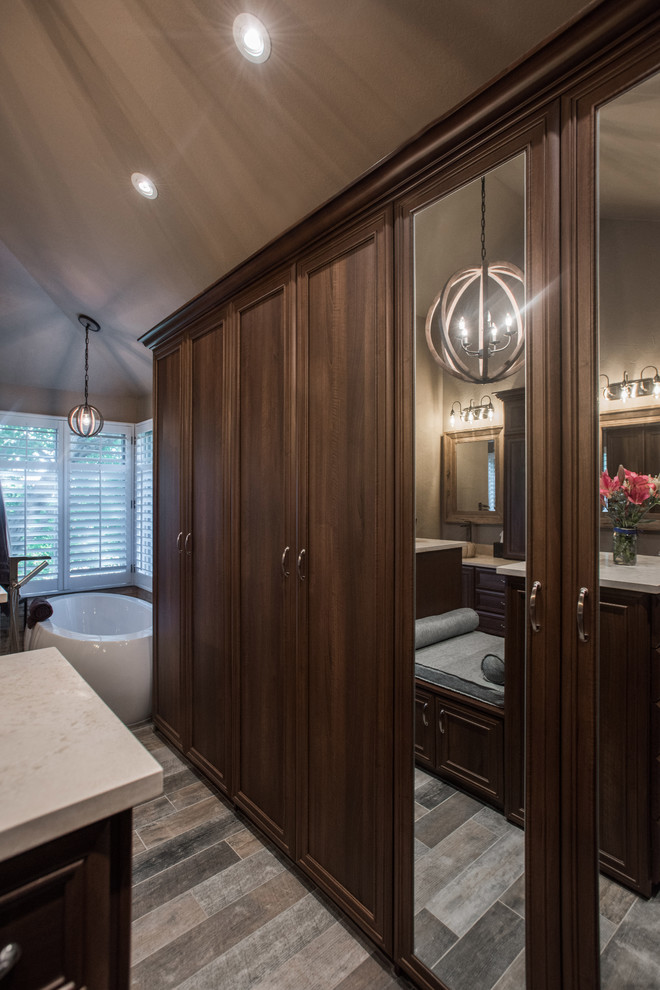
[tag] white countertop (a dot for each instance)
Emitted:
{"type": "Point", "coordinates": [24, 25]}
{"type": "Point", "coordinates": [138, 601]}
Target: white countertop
{"type": "Point", "coordinates": [643, 576]}
{"type": "Point", "coordinates": [65, 759]}
{"type": "Point", "coordinates": [3, 595]}
{"type": "Point", "coordinates": [423, 544]}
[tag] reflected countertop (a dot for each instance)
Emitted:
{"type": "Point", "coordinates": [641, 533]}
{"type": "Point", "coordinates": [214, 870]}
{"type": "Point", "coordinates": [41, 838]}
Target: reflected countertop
{"type": "Point", "coordinates": [66, 760]}
{"type": "Point", "coordinates": [3, 595]}
{"type": "Point", "coordinates": [643, 576]}
{"type": "Point", "coordinates": [424, 544]}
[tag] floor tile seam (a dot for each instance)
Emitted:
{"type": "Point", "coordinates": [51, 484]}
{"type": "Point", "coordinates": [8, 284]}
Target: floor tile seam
{"type": "Point", "coordinates": [466, 869]}
{"type": "Point", "coordinates": [184, 931]}
{"type": "Point", "coordinates": [247, 941]}
{"type": "Point", "coordinates": [468, 931]}
{"type": "Point", "coordinates": [179, 861]}
{"type": "Point", "coordinates": [177, 835]}
{"type": "Point", "coordinates": [240, 893]}
{"type": "Point", "coordinates": [306, 949]}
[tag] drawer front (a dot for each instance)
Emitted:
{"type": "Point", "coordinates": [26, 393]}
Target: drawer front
{"type": "Point", "coordinates": [488, 580]}
{"type": "Point", "coordinates": [493, 624]}
{"type": "Point", "coordinates": [489, 601]}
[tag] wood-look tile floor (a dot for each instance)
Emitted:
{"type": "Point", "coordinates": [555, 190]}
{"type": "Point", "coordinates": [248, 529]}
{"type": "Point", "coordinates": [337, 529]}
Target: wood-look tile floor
{"type": "Point", "coordinates": [470, 909]}
{"type": "Point", "coordinates": [216, 907]}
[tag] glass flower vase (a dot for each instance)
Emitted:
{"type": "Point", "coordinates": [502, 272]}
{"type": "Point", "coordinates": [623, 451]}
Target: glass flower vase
{"type": "Point", "coordinates": [624, 546]}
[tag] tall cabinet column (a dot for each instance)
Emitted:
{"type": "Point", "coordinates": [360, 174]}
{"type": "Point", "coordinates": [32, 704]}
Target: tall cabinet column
{"type": "Point", "coordinates": [345, 575]}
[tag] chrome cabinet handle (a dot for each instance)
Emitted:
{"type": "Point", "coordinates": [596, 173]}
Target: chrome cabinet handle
{"type": "Point", "coordinates": [178, 542]}
{"type": "Point", "coordinates": [285, 562]}
{"type": "Point", "coordinates": [425, 718]}
{"type": "Point", "coordinates": [440, 718]}
{"type": "Point", "coordinates": [9, 956]}
{"type": "Point", "coordinates": [299, 565]}
{"type": "Point", "coordinates": [188, 538]}
{"type": "Point", "coordinates": [536, 587]}
{"type": "Point", "coordinates": [582, 598]}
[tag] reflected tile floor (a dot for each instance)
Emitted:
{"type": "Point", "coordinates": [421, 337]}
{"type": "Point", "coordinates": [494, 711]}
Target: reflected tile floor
{"type": "Point", "coordinates": [470, 908]}
{"type": "Point", "coordinates": [216, 907]}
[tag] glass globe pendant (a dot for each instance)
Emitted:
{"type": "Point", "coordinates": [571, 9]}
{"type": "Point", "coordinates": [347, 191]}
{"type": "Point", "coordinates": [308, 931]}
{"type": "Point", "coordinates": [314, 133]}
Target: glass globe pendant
{"type": "Point", "coordinates": [85, 420]}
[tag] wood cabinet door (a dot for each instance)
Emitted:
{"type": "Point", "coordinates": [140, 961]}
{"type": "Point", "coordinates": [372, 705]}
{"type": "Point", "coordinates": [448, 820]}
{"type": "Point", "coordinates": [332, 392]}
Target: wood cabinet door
{"type": "Point", "coordinates": [169, 709]}
{"type": "Point", "coordinates": [264, 563]}
{"type": "Point", "coordinates": [625, 710]}
{"type": "Point", "coordinates": [345, 454]}
{"type": "Point", "coordinates": [424, 728]}
{"type": "Point", "coordinates": [206, 553]}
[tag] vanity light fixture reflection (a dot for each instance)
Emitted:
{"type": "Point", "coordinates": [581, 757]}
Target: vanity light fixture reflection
{"type": "Point", "coordinates": [475, 411]}
{"type": "Point", "coordinates": [633, 388]}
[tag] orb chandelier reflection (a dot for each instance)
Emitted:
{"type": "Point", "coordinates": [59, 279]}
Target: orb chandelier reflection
{"type": "Point", "coordinates": [475, 328]}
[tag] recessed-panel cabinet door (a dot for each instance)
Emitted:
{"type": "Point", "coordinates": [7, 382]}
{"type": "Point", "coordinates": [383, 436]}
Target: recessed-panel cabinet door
{"type": "Point", "coordinates": [206, 554]}
{"type": "Point", "coordinates": [168, 705]}
{"type": "Point", "coordinates": [345, 450]}
{"type": "Point", "coordinates": [266, 653]}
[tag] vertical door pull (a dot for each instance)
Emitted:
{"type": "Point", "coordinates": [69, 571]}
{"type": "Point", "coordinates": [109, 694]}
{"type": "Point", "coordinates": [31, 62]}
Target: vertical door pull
{"type": "Point", "coordinates": [425, 716]}
{"type": "Point", "coordinates": [536, 587]}
{"type": "Point", "coordinates": [285, 562]}
{"type": "Point", "coordinates": [9, 956]}
{"type": "Point", "coordinates": [300, 565]}
{"type": "Point", "coordinates": [582, 598]}
{"type": "Point", "coordinates": [441, 724]}
{"type": "Point", "coordinates": [178, 542]}
{"type": "Point", "coordinates": [186, 544]}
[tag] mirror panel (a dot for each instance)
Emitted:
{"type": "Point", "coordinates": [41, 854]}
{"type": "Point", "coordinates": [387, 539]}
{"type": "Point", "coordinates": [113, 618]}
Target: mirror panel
{"type": "Point", "coordinates": [628, 209]}
{"type": "Point", "coordinates": [469, 844]}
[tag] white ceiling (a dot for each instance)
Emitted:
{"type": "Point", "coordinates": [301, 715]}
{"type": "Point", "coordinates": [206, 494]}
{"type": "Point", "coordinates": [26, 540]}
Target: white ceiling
{"type": "Point", "coordinates": [93, 90]}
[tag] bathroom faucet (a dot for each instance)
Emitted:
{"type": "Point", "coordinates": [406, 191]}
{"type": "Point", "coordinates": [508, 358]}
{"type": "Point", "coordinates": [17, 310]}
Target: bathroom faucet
{"type": "Point", "coordinates": [15, 585]}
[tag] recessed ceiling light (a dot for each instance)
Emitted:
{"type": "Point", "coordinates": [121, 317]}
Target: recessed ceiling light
{"type": "Point", "coordinates": [144, 185]}
{"type": "Point", "coordinates": [252, 38]}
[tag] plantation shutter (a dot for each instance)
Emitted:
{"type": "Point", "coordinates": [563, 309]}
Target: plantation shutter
{"type": "Point", "coordinates": [99, 487]}
{"type": "Point", "coordinates": [29, 475]}
{"type": "Point", "coordinates": [144, 445]}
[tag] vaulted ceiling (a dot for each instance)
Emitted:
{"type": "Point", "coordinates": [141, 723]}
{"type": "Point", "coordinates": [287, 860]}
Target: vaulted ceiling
{"type": "Point", "coordinates": [94, 90]}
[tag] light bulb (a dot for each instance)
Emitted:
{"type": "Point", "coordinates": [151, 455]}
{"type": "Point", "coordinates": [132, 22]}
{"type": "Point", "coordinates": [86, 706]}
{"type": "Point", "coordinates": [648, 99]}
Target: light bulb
{"type": "Point", "coordinates": [452, 419]}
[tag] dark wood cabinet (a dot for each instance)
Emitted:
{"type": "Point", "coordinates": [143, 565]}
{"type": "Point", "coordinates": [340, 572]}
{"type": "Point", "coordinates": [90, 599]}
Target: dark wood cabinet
{"type": "Point", "coordinates": [437, 581]}
{"type": "Point", "coordinates": [629, 743]}
{"type": "Point", "coordinates": [67, 906]}
{"type": "Point", "coordinates": [462, 740]}
{"type": "Point", "coordinates": [425, 729]}
{"type": "Point", "coordinates": [514, 473]}
{"type": "Point", "coordinates": [191, 627]}
{"type": "Point", "coordinates": [264, 558]}
{"type": "Point", "coordinates": [345, 579]}
{"type": "Point", "coordinates": [484, 591]}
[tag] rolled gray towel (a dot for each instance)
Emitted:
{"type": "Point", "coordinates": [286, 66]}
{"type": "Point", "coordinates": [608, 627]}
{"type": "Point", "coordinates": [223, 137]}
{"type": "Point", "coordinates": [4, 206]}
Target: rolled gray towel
{"type": "Point", "coordinates": [492, 667]}
{"type": "Point", "coordinates": [39, 610]}
{"type": "Point", "coordinates": [436, 628]}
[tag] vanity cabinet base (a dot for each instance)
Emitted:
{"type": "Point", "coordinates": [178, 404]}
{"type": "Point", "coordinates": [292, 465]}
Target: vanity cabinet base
{"type": "Point", "coordinates": [67, 904]}
{"type": "Point", "coordinates": [461, 740]}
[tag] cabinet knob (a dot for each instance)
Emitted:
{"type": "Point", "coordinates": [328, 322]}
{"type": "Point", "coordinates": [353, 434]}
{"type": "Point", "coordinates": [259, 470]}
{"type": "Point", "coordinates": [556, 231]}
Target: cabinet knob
{"type": "Point", "coordinates": [9, 956]}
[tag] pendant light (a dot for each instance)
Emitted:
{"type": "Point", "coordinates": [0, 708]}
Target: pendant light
{"type": "Point", "coordinates": [86, 420]}
{"type": "Point", "coordinates": [477, 318]}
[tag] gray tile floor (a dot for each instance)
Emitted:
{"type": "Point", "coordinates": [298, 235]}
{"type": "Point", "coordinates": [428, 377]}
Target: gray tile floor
{"type": "Point", "coordinates": [215, 907]}
{"type": "Point", "coordinates": [469, 901]}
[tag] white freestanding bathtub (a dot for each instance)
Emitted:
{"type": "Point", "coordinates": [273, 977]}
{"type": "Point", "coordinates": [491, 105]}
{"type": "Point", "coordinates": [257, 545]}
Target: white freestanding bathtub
{"type": "Point", "coordinates": [107, 638]}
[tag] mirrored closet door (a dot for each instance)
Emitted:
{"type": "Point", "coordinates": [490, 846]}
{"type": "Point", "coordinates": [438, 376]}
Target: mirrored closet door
{"type": "Point", "coordinates": [617, 127]}
{"type": "Point", "coordinates": [481, 329]}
